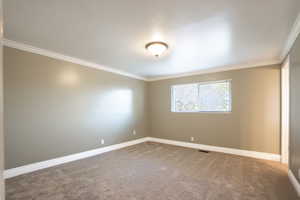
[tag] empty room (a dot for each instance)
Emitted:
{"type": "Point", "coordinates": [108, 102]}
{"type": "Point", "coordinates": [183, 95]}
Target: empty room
{"type": "Point", "coordinates": [149, 100]}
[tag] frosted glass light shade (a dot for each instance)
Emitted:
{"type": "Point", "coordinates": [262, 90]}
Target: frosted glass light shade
{"type": "Point", "coordinates": [156, 48]}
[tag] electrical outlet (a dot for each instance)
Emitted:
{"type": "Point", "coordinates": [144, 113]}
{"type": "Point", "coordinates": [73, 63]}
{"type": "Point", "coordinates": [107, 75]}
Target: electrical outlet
{"type": "Point", "coordinates": [192, 139]}
{"type": "Point", "coordinates": [134, 132]}
{"type": "Point", "coordinates": [102, 141]}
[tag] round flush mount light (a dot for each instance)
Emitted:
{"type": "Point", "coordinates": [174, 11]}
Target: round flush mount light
{"type": "Point", "coordinates": [157, 48]}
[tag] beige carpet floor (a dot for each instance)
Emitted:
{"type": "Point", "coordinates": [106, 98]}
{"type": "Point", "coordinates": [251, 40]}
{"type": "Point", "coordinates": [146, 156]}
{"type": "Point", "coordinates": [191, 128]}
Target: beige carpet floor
{"type": "Point", "coordinates": [152, 171]}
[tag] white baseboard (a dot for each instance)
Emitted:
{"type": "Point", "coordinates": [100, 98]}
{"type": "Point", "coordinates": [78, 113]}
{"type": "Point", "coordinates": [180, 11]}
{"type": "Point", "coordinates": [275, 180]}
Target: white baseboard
{"type": "Point", "coordinates": [294, 182]}
{"type": "Point", "coordinates": [253, 154]}
{"type": "Point", "coordinates": [9, 173]}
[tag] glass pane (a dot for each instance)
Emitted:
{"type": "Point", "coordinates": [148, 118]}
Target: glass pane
{"type": "Point", "coordinates": [185, 98]}
{"type": "Point", "coordinates": [215, 97]}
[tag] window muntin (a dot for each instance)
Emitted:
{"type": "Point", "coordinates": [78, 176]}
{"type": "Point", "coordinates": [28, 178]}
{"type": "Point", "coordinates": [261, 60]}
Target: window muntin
{"type": "Point", "coordinates": [202, 97]}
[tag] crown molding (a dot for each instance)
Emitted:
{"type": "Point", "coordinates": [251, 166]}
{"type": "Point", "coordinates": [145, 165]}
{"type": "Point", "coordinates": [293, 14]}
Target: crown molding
{"type": "Point", "coordinates": [295, 31]}
{"type": "Point", "coordinates": [52, 54]}
{"type": "Point", "coordinates": [219, 69]}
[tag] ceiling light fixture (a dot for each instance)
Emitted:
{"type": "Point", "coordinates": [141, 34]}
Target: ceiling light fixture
{"type": "Point", "coordinates": [157, 48]}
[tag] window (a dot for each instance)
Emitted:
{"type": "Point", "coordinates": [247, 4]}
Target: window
{"type": "Point", "coordinates": [202, 97]}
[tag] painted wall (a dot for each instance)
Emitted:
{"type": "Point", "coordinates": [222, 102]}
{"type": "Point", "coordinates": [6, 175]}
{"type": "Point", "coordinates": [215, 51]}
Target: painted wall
{"type": "Point", "coordinates": [294, 162]}
{"type": "Point", "coordinates": [253, 124]}
{"type": "Point", "coordinates": [2, 193]}
{"type": "Point", "coordinates": [55, 108]}
{"type": "Point", "coordinates": [51, 103]}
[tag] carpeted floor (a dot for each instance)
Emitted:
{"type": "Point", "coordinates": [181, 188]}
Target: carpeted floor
{"type": "Point", "coordinates": [152, 171]}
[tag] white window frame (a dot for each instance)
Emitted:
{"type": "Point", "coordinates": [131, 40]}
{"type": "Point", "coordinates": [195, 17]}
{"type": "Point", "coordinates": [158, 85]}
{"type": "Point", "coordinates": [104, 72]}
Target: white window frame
{"type": "Point", "coordinates": [203, 83]}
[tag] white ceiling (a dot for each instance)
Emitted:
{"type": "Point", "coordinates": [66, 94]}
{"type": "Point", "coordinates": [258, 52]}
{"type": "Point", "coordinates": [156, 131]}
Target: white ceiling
{"type": "Point", "coordinates": [202, 34]}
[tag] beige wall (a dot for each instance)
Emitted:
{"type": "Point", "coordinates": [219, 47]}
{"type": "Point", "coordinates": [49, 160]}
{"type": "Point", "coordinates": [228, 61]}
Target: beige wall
{"type": "Point", "coordinates": [55, 108]}
{"type": "Point", "coordinates": [294, 145]}
{"type": "Point", "coordinates": [254, 123]}
{"type": "Point", "coordinates": [51, 103]}
{"type": "Point", "coordinates": [2, 193]}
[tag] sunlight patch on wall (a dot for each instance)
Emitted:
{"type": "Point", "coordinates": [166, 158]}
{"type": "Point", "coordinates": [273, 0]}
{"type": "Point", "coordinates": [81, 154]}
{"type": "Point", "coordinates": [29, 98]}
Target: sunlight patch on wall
{"type": "Point", "coordinates": [69, 78]}
{"type": "Point", "coordinates": [119, 101]}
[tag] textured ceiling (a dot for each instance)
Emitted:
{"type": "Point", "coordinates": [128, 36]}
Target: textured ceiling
{"type": "Point", "coordinates": [202, 34]}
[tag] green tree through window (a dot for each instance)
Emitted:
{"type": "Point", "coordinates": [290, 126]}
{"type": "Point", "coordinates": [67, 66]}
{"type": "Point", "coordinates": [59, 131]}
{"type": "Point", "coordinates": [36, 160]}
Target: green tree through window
{"type": "Point", "coordinates": [202, 97]}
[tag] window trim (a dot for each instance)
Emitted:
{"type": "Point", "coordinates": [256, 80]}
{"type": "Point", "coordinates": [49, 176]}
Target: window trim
{"type": "Point", "coordinates": [204, 83]}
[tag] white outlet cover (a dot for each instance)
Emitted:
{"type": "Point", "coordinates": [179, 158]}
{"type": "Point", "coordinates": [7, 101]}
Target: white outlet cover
{"type": "Point", "coordinates": [192, 139]}
{"type": "Point", "coordinates": [102, 141]}
{"type": "Point", "coordinates": [134, 132]}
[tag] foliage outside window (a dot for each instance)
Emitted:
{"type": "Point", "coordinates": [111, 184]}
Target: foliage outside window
{"type": "Point", "coordinates": [202, 97]}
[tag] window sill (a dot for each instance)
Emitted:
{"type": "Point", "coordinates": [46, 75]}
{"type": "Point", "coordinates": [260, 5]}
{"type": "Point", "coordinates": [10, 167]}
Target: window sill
{"type": "Point", "coordinates": [205, 112]}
